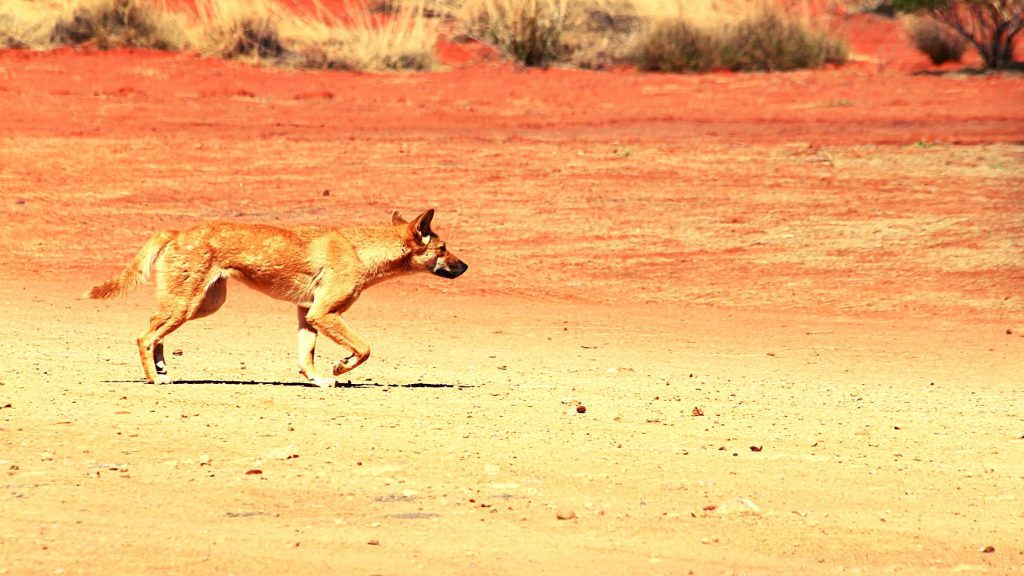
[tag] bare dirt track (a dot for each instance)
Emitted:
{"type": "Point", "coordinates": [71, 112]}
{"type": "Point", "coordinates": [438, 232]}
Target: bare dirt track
{"type": "Point", "coordinates": [829, 265]}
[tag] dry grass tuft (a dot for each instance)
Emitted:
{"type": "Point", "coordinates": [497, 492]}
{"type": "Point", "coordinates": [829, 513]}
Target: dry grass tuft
{"type": "Point", "coordinates": [402, 38]}
{"type": "Point", "coordinates": [27, 23]}
{"type": "Point", "coordinates": [528, 31]}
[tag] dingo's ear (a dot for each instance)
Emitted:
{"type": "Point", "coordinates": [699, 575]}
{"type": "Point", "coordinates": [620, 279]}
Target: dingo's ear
{"type": "Point", "coordinates": [397, 219]}
{"type": "Point", "coordinates": [419, 228]}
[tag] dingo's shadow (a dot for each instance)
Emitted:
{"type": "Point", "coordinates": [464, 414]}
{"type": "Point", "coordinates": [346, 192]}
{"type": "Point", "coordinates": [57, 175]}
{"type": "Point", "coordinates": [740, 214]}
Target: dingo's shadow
{"type": "Point", "coordinates": [293, 383]}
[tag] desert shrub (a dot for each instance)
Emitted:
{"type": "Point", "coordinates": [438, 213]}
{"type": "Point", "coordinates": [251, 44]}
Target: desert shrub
{"type": "Point", "coordinates": [770, 40]}
{"type": "Point", "coordinates": [936, 41]}
{"type": "Point", "coordinates": [528, 31]}
{"type": "Point", "coordinates": [990, 26]}
{"type": "Point", "coordinates": [117, 23]}
{"type": "Point", "coordinates": [678, 46]}
{"type": "Point", "coordinates": [765, 40]}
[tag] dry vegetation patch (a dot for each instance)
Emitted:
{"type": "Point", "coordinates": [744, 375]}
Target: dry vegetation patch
{"type": "Point", "coordinates": [758, 37]}
{"type": "Point", "coordinates": [118, 23]}
{"type": "Point", "coordinates": [661, 35]}
{"type": "Point", "coordinates": [257, 31]}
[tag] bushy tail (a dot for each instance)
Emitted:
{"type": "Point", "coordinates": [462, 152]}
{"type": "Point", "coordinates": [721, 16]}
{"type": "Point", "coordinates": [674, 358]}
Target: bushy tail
{"type": "Point", "coordinates": [138, 271]}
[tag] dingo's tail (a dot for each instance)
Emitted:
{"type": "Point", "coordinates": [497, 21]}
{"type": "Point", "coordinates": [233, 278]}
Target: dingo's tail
{"type": "Point", "coordinates": [138, 271]}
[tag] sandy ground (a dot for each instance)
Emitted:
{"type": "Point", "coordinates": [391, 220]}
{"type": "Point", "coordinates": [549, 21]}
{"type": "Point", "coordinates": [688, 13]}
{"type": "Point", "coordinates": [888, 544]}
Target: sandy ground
{"type": "Point", "coordinates": [791, 305]}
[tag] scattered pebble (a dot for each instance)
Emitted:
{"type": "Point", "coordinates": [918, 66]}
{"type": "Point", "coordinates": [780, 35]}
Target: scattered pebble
{"type": "Point", "coordinates": [988, 549]}
{"type": "Point", "coordinates": [204, 460]}
{"type": "Point", "coordinates": [581, 409]}
{"type": "Point", "coordinates": [286, 453]}
{"type": "Point", "coordinates": [565, 515]}
{"type": "Point", "coordinates": [697, 411]}
{"type": "Point", "coordinates": [756, 448]}
{"type": "Point", "coordinates": [373, 542]}
{"type": "Point", "coordinates": [253, 472]}
{"type": "Point", "coordinates": [738, 506]}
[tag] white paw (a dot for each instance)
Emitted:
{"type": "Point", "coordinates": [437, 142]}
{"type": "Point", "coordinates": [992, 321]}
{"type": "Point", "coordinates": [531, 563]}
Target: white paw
{"type": "Point", "coordinates": [317, 380]}
{"type": "Point", "coordinates": [323, 381]}
{"type": "Point", "coordinates": [162, 379]}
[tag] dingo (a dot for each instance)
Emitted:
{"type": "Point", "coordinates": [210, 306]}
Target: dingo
{"type": "Point", "coordinates": [322, 270]}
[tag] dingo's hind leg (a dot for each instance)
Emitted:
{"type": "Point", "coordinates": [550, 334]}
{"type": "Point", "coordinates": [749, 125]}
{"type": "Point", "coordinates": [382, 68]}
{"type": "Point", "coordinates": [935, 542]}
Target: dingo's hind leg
{"type": "Point", "coordinates": [177, 307]}
{"type": "Point", "coordinates": [307, 349]}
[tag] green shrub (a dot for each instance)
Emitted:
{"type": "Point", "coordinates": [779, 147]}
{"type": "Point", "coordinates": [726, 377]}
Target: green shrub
{"type": "Point", "coordinates": [117, 23]}
{"type": "Point", "coordinates": [936, 41]}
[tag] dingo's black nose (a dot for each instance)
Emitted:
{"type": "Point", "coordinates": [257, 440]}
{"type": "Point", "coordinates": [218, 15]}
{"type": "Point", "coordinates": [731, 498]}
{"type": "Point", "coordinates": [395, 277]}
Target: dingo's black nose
{"type": "Point", "coordinates": [453, 271]}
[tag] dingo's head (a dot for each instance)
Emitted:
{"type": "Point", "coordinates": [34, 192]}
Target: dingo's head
{"type": "Point", "coordinates": [429, 252]}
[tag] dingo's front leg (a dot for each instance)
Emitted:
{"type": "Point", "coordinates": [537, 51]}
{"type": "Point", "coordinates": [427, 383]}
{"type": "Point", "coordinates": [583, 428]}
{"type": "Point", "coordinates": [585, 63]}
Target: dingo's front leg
{"type": "Point", "coordinates": [335, 328]}
{"type": "Point", "coordinates": [307, 349]}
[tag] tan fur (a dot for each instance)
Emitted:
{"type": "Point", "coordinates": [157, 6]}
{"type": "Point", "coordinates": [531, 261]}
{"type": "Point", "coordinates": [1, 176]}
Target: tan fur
{"type": "Point", "coordinates": [138, 271]}
{"type": "Point", "coordinates": [321, 270]}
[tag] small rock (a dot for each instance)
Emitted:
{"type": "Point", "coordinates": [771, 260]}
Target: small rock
{"type": "Point", "coordinates": [988, 549]}
{"type": "Point", "coordinates": [204, 460]}
{"type": "Point", "coordinates": [565, 515]}
{"type": "Point", "coordinates": [286, 453]}
{"type": "Point", "coordinates": [697, 411]}
{"type": "Point", "coordinates": [756, 448]}
{"type": "Point", "coordinates": [46, 456]}
{"type": "Point", "coordinates": [581, 409]}
{"type": "Point", "coordinates": [373, 542]}
{"type": "Point", "coordinates": [253, 472]}
{"type": "Point", "coordinates": [177, 352]}
{"type": "Point", "coordinates": [739, 506]}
